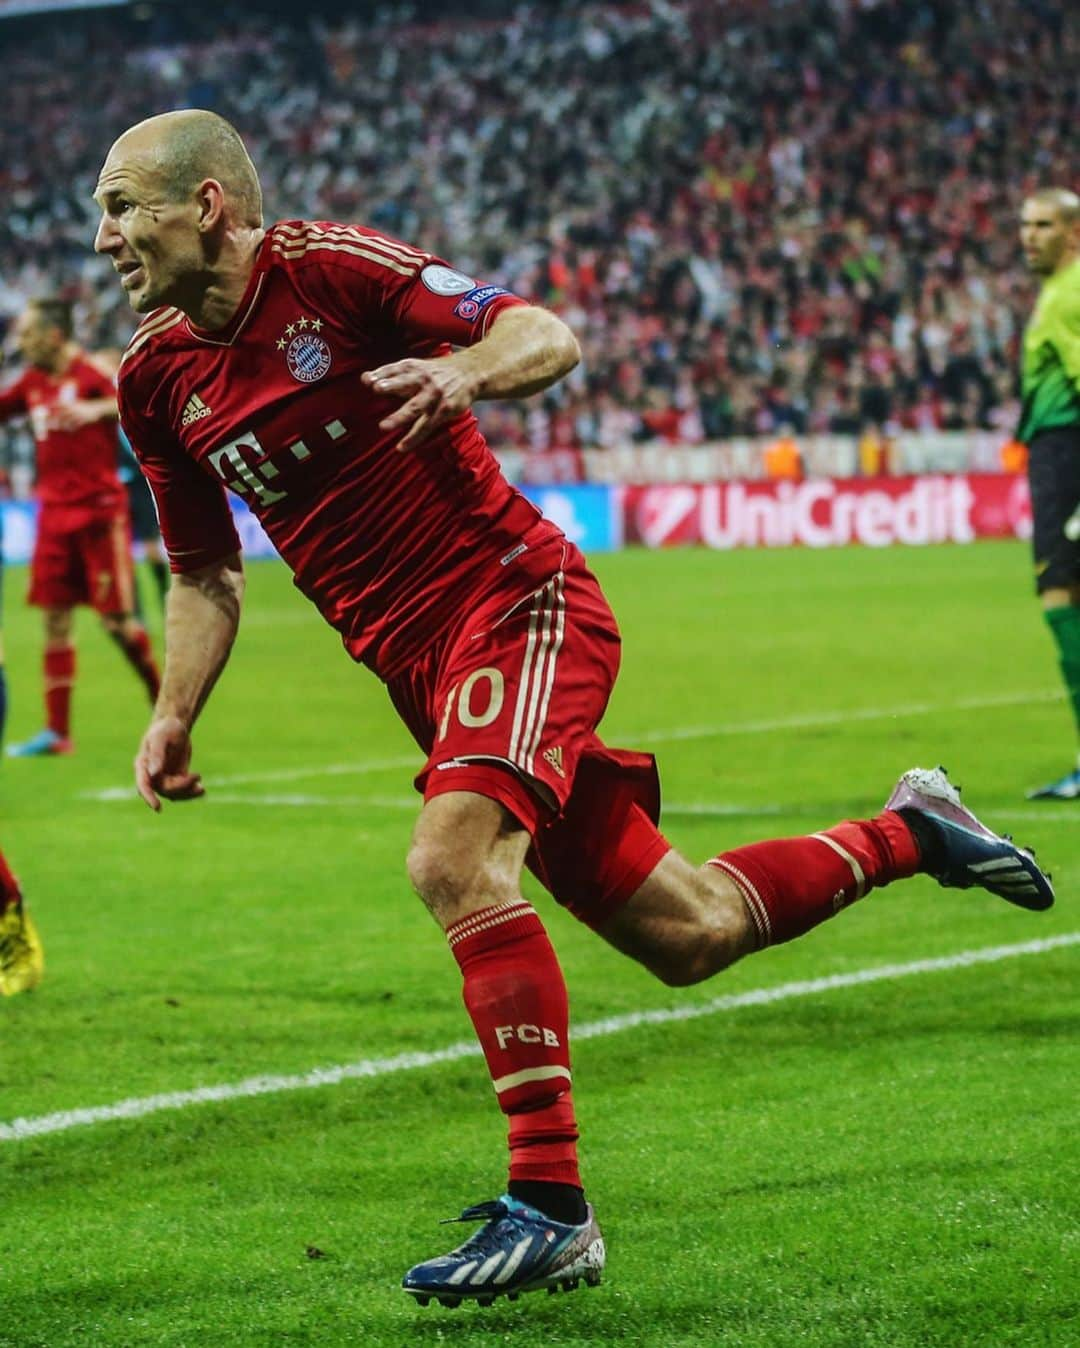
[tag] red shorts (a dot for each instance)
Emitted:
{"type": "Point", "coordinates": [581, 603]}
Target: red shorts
{"type": "Point", "coordinates": [506, 705]}
{"type": "Point", "coordinates": [81, 559]}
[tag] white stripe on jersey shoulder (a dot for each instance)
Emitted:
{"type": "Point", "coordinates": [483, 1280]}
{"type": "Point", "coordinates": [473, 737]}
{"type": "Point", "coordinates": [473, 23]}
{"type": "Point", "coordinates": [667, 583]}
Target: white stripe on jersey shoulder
{"type": "Point", "coordinates": [297, 243]}
{"type": "Point", "coordinates": [354, 234]}
{"type": "Point", "coordinates": [157, 322]}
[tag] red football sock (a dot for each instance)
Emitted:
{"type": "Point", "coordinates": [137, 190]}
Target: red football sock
{"type": "Point", "coordinates": [140, 655]}
{"type": "Point", "coordinates": [9, 886]}
{"type": "Point", "coordinates": [792, 884]}
{"type": "Point", "coordinates": [59, 680]}
{"type": "Point", "coordinates": [515, 993]}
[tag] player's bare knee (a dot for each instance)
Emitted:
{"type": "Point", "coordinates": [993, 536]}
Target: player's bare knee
{"type": "Point", "coordinates": [57, 626]}
{"type": "Point", "coordinates": [453, 881]}
{"type": "Point", "coordinates": [466, 854]}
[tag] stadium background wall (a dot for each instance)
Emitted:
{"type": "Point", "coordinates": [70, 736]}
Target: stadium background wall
{"type": "Point", "coordinates": [821, 512]}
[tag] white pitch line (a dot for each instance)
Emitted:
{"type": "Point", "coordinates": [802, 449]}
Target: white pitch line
{"type": "Point", "coordinates": [816, 720]}
{"type": "Point", "coordinates": [698, 809]}
{"type": "Point", "coordinates": [139, 1107]}
{"type": "Point", "coordinates": [673, 735]}
{"type": "Point", "coordinates": [306, 800]}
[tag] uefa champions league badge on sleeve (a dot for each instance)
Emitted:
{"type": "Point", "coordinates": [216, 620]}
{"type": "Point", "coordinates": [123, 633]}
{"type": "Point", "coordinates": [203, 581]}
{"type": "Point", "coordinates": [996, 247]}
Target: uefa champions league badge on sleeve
{"type": "Point", "coordinates": [474, 301]}
{"type": "Point", "coordinates": [307, 353]}
{"type": "Point", "coordinates": [442, 280]}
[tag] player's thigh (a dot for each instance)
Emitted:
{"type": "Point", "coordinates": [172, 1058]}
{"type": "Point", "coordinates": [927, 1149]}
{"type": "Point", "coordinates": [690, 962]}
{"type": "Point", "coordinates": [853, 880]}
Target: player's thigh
{"type": "Point", "coordinates": [1054, 478]}
{"type": "Point", "coordinates": [524, 689]}
{"type": "Point", "coordinates": [467, 853]}
{"type": "Point", "coordinates": [56, 573]}
{"type": "Point", "coordinates": [105, 550]}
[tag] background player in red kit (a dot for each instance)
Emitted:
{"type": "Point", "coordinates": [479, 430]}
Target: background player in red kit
{"type": "Point", "coordinates": [309, 368]}
{"type": "Point", "coordinates": [83, 551]}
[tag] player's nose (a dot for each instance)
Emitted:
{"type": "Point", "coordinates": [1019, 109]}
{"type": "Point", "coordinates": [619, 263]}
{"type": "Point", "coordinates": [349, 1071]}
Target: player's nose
{"type": "Point", "coordinates": [108, 237]}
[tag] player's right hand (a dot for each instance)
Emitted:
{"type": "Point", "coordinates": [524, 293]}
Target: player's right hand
{"type": "Point", "coordinates": [162, 765]}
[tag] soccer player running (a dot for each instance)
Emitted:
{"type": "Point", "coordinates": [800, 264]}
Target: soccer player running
{"type": "Point", "coordinates": [82, 554]}
{"type": "Point", "coordinates": [309, 367]}
{"type": "Point", "coordinates": [1050, 427]}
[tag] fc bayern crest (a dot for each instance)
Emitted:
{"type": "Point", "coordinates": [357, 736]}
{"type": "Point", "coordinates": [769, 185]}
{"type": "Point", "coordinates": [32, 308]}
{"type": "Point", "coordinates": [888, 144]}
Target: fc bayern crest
{"type": "Point", "coordinates": [308, 357]}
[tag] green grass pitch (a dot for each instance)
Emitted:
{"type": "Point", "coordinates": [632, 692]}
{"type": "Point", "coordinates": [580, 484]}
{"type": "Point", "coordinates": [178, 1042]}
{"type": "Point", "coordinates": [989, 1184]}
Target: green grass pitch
{"type": "Point", "coordinates": [893, 1163]}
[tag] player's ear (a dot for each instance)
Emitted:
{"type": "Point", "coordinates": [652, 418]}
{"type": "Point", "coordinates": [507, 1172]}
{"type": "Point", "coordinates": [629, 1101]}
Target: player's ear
{"type": "Point", "coordinates": [211, 202]}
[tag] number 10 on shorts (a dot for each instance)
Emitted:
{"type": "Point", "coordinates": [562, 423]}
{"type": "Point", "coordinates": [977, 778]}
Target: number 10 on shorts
{"type": "Point", "coordinates": [478, 700]}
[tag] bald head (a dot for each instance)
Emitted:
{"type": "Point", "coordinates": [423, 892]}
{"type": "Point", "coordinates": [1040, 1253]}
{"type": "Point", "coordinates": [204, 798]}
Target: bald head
{"type": "Point", "coordinates": [1064, 204]}
{"type": "Point", "coordinates": [185, 148]}
{"type": "Point", "coordinates": [181, 215]}
{"type": "Point", "coordinates": [1050, 230]}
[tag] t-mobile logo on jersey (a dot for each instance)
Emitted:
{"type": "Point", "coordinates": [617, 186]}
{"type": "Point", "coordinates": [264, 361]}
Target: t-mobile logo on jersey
{"type": "Point", "coordinates": [251, 479]}
{"type": "Point", "coordinates": [526, 1034]}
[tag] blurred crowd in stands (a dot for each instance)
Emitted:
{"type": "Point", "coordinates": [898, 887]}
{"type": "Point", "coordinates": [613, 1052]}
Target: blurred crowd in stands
{"type": "Point", "coordinates": [760, 216]}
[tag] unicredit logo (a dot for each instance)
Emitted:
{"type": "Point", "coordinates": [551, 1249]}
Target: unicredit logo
{"type": "Point", "coordinates": [829, 513]}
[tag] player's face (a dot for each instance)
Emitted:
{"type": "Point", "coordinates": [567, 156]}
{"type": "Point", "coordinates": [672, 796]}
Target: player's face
{"type": "Point", "coordinates": [1044, 236]}
{"type": "Point", "coordinates": [154, 243]}
{"type": "Point", "coordinates": [39, 343]}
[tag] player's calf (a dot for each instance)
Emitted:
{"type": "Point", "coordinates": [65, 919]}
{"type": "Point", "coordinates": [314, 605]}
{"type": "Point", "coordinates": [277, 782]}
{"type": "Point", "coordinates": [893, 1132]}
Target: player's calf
{"type": "Point", "coordinates": [684, 924]}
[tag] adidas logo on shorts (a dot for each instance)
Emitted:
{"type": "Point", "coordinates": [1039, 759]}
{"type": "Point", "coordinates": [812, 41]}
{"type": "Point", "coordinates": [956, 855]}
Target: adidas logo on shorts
{"type": "Point", "coordinates": [194, 410]}
{"type": "Point", "coordinates": [554, 757]}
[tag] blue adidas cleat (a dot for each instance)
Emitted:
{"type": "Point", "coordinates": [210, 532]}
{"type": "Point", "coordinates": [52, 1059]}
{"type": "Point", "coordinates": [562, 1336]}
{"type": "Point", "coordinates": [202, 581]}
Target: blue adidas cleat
{"type": "Point", "coordinates": [516, 1250]}
{"type": "Point", "coordinates": [1065, 788]}
{"type": "Point", "coordinates": [973, 854]}
{"type": "Point", "coordinates": [44, 744]}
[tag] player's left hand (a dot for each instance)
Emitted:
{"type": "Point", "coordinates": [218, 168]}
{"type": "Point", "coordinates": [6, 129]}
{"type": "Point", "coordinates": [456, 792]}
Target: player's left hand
{"type": "Point", "coordinates": [163, 764]}
{"type": "Point", "coordinates": [436, 391]}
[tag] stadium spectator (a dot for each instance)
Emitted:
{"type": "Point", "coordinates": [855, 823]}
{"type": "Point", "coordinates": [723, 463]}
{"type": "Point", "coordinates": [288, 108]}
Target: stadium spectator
{"type": "Point", "coordinates": [82, 554]}
{"type": "Point", "coordinates": [808, 240]}
{"type": "Point", "coordinates": [1014, 456]}
{"type": "Point", "coordinates": [873, 451]}
{"type": "Point", "coordinates": [782, 458]}
{"type": "Point", "coordinates": [496, 644]}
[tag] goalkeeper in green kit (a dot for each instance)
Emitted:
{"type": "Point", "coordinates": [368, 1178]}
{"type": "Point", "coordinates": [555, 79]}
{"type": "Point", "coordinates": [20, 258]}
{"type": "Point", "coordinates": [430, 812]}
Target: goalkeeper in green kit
{"type": "Point", "coordinates": [1050, 427]}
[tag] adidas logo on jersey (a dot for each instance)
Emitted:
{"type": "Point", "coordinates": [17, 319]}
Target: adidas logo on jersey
{"type": "Point", "coordinates": [194, 410]}
{"type": "Point", "coordinates": [554, 757]}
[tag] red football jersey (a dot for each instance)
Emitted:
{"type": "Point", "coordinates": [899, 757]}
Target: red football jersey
{"type": "Point", "coordinates": [387, 545]}
{"type": "Point", "coordinates": [74, 469]}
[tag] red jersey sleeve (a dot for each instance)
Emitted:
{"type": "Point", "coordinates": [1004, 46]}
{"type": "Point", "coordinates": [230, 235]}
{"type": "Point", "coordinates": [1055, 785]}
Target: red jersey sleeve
{"type": "Point", "coordinates": [374, 278]}
{"type": "Point", "coordinates": [13, 400]}
{"type": "Point", "coordinates": [192, 509]}
{"type": "Point", "coordinates": [435, 305]}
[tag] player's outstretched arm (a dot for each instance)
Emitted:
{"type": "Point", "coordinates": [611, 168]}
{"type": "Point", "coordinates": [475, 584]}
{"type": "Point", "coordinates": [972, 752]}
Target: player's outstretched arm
{"type": "Point", "coordinates": [202, 615]}
{"type": "Point", "coordinates": [526, 349]}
